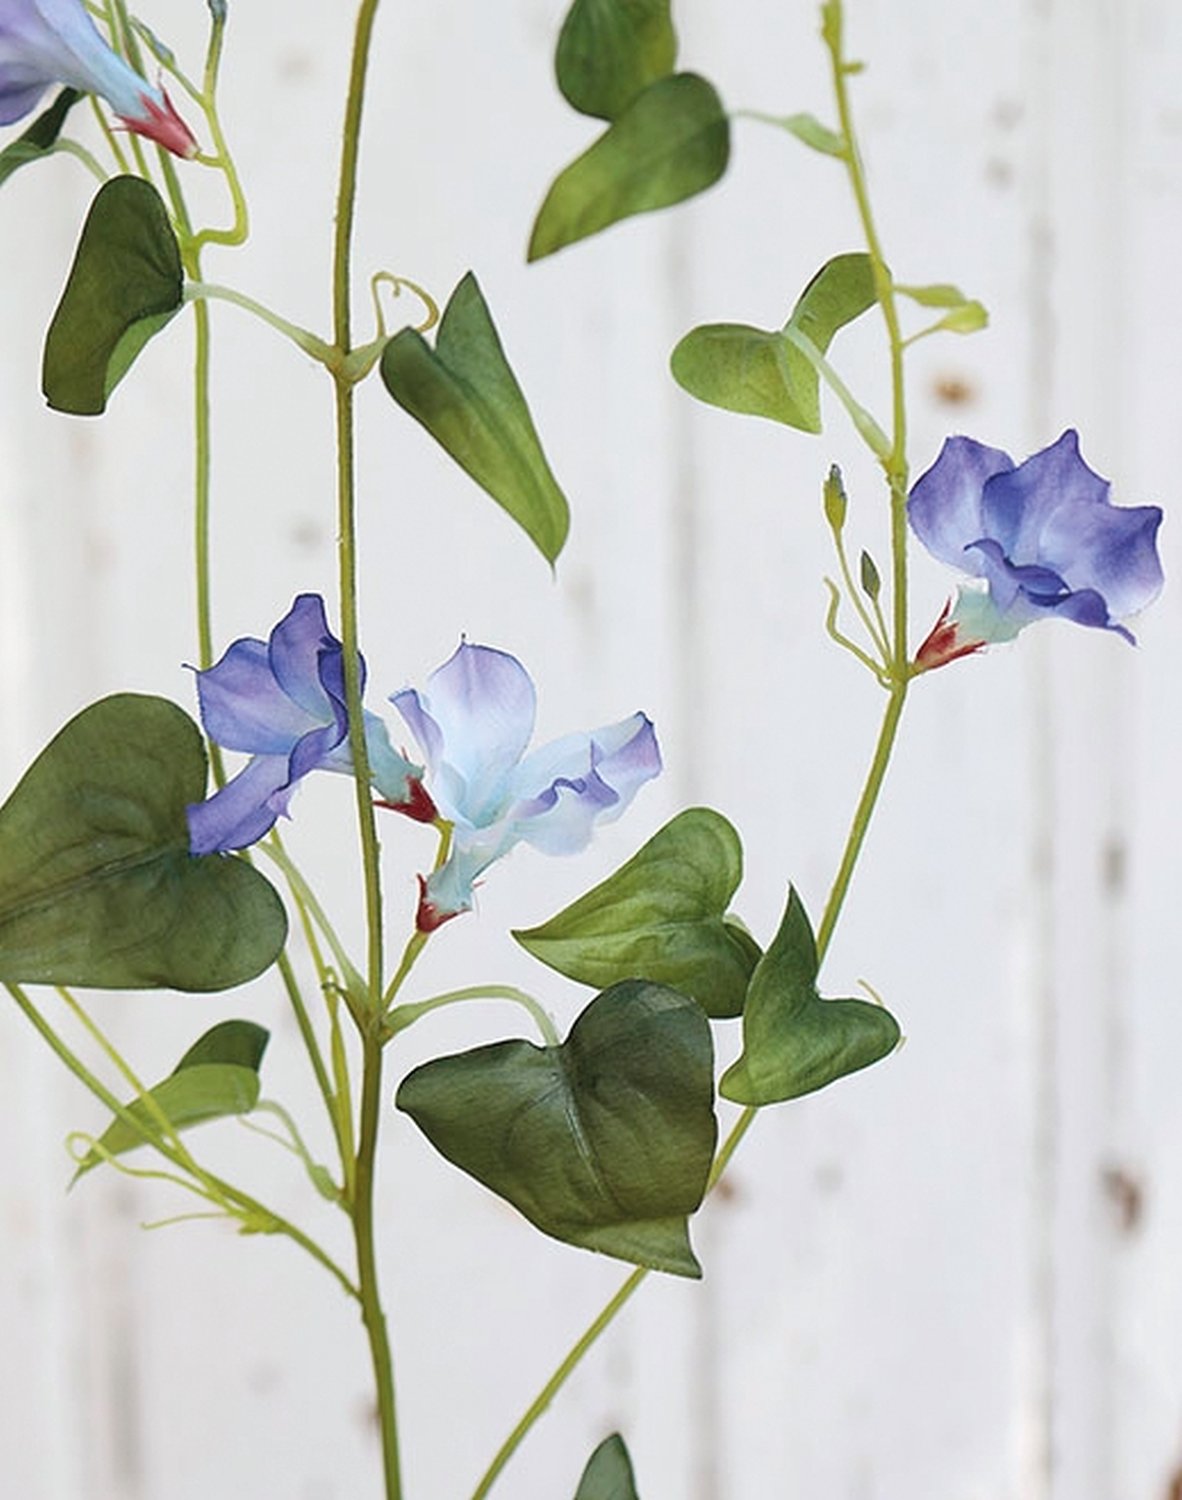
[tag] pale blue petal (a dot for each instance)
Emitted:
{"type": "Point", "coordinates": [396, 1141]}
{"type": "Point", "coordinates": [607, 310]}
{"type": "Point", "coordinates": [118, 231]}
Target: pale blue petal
{"type": "Point", "coordinates": [55, 41]}
{"type": "Point", "coordinates": [1110, 549]}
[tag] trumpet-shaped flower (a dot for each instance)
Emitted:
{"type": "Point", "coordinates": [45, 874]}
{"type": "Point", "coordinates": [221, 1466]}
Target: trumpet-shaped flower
{"type": "Point", "coordinates": [54, 41]}
{"type": "Point", "coordinates": [283, 702]}
{"type": "Point", "coordinates": [1042, 538]}
{"type": "Point", "coordinates": [473, 725]}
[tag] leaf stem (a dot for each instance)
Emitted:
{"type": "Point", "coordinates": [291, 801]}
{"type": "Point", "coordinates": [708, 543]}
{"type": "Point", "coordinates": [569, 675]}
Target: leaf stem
{"type": "Point", "coordinates": [406, 1015]}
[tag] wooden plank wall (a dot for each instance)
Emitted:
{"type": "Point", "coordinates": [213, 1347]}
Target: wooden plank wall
{"type": "Point", "coordinates": [953, 1278]}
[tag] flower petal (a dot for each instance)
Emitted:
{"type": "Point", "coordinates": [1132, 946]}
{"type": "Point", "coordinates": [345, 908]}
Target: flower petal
{"type": "Point", "coordinates": [295, 649]}
{"type": "Point", "coordinates": [243, 810]}
{"type": "Point", "coordinates": [1112, 549]}
{"type": "Point", "coordinates": [944, 507]}
{"type": "Point", "coordinates": [473, 724]}
{"type": "Point", "coordinates": [243, 707]}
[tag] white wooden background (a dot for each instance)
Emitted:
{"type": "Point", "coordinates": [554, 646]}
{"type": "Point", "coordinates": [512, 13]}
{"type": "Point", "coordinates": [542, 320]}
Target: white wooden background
{"type": "Point", "coordinates": [955, 1277]}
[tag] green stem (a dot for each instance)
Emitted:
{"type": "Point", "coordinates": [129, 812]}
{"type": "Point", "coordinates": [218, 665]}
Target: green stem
{"type": "Point", "coordinates": [548, 1392]}
{"type": "Point", "coordinates": [198, 292]}
{"type": "Point", "coordinates": [403, 1016]}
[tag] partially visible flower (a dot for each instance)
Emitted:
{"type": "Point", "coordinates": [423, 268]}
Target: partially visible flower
{"type": "Point", "coordinates": [473, 725]}
{"type": "Point", "coordinates": [1041, 536]}
{"type": "Point", "coordinates": [283, 702]}
{"type": "Point", "coordinates": [55, 41]}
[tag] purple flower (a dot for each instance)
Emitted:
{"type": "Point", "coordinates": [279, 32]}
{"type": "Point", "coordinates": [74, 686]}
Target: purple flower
{"type": "Point", "coordinates": [473, 725]}
{"type": "Point", "coordinates": [55, 41]}
{"type": "Point", "coordinates": [283, 702]}
{"type": "Point", "coordinates": [1041, 536]}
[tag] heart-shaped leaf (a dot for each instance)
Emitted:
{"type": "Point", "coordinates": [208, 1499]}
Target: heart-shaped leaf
{"type": "Point", "coordinates": [604, 1141]}
{"type": "Point", "coordinates": [38, 140]}
{"type": "Point", "coordinates": [218, 1076]}
{"type": "Point", "coordinates": [125, 284]}
{"type": "Point", "coordinates": [661, 917]}
{"type": "Point", "coordinates": [793, 1041]}
{"type": "Point", "coordinates": [97, 885]}
{"type": "Point", "coordinates": [761, 373]}
{"type": "Point", "coordinates": [671, 142]}
{"type": "Point", "coordinates": [610, 50]}
{"type": "Point", "coordinates": [466, 396]}
{"type": "Point", "coordinates": [608, 1475]}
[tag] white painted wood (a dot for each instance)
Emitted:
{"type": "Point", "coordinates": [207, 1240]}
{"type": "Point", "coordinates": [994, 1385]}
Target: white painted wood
{"type": "Point", "coordinates": [951, 1278]}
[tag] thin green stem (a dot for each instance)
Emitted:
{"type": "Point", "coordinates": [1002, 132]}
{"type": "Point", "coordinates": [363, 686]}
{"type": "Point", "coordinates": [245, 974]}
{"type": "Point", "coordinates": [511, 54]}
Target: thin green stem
{"type": "Point", "coordinates": [64, 147]}
{"type": "Point", "coordinates": [306, 897]}
{"type": "Point", "coordinates": [240, 229]}
{"type": "Point", "coordinates": [201, 291]}
{"type": "Point", "coordinates": [406, 1015]}
{"type": "Point", "coordinates": [548, 1392]}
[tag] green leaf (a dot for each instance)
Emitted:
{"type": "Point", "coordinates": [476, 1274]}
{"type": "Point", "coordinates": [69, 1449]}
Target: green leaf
{"type": "Point", "coordinates": [760, 373]}
{"type": "Point", "coordinates": [808, 129]}
{"type": "Point", "coordinates": [970, 318]}
{"type": "Point", "coordinates": [608, 1475]}
{"type": "Point", "coordinates": [871, 581]}
{"type": "Point", "coordinates": [604, 1141]}
{"type": "Point", "coordinates": [611, 50]}
{"type": "Point", "coordinates": [938, 294]}
{"type": "Point", "coordinates": [125, 285]}
{"type": "Point", "coordinates": [218, 1076]}
{"type": "Point", "coordinates": [37, 142]}
{"type": "Point", "coordinates": [671, 142]}
{"type": "Point", "coordinates": [793, 1041]}
{"type": "Point", "coordinates": [466, 396]}
{"type": "Point", "coordinates": [97, 885]}
{"type": "Point", "coordinates": [661, 917]}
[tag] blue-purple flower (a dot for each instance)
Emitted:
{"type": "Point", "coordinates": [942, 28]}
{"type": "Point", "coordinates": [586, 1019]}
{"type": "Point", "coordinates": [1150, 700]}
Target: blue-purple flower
{"type": "Point", "coordinates": [283, 702]}
{"type": "Point", "coordinates": [1041, 536]}
{"type": "Point", "coordinates": [43, 42]}
{"type": "Point", "coordinates": [473, 725]}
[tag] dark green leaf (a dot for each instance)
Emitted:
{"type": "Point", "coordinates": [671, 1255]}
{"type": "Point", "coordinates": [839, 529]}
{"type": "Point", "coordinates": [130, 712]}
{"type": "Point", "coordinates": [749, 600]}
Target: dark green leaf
{"type": "Point", "coordinates": [36, 142]}
{"type": "Point", "coordinates": [608, 1475]}
{"type": "Point", "coordinates": [610, 50]}
{"type": "Point", "coordinates": [671, 142]}
{"type": "Point", "coordinates": [871, 582]}
{"type": "Point", "coordinates": [661, 917]}
{"type": "Point", "coordinates": [465, 395]}
{"type": "Point", "coordinates": [97, 885]}
{"type": "Point", "coordinates": [125, 285]}
{"type": "Point", "coordinates": [760, 373]}
{"type": "Point", "coordinates": [793, 1041]}
{"type": "Point", "coordinates": [218, 1076]}
{"type": "Point", "coordinates": [605, 1141]}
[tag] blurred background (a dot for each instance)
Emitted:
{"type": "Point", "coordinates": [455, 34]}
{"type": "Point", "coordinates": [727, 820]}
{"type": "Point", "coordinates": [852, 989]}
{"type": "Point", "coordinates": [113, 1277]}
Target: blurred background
{"type": "Point", "coordinates": [953, 1277]}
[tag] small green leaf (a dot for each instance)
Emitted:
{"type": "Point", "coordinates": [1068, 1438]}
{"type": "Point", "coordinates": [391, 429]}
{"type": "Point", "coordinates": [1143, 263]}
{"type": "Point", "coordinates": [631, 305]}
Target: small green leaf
{"type": "Point", "coordinates": [938, 294]}
{"type": "Point", "coordinates": [808, 129]}
{"type": "Point", "coordinates": [761, 373]}
{"type": "Point", "coordinates": [218, 1076]}
{"type": "Point", "coordinates": [126, 274]}
{"type": "Point", "coordinates": [671, 142]}
{"type": "Point", "coordinates": [608, 1475]}
{"type": "Point", "coordinates": [37, 142]}
{"type": "Point", "coordinates": [97, 885]}
{"type": "Point", "coordinates": [970, 318]}
{"type": "Point", "coordinates": [661, 917]}
{"type": "Point", "coordinates": [611, 50]}
{"type": "Point", "coordinates": [604, 1141]}
{"type": "Point", "coordinates": [793, 1041]}
{"type": "Point", "coordinates": [466, 396]}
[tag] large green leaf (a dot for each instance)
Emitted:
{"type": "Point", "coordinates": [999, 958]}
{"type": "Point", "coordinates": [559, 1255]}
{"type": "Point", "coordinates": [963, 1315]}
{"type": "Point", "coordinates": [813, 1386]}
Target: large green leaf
{"type": "Point", "coordinates": [466, 396]}
{"type": "Point", "coordinates": [604, 1141]}
{"type": "Point", "coordinates": [608, 1475]}
{"type": "Point", "coordinates": [38, 140]}
{"type": "Point", "coordinates": [671, 142]}
{"type": "Point", "coordinates": [218, 1076]}
{"type": "Point", "coordinates": [793, 1041]}
{"type": "Point", "coordinates": [125, 284]}
{"type": "Point", "coordinates": [661, 917]}
{"type": "Point", "coordinates": [610, 50]}
{"type": "Point", "coordinates": [97, 885]}
{"type": "Point", "coordinates": [761, 373]}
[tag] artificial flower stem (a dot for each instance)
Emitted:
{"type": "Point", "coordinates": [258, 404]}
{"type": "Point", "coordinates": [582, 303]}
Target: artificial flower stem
{"type": "Point", "coordinates": [372, 1037]}
{"type": "Point", "coordinates": [406, 1015]}
{"type": "Point", "coordinates": [240, 229]}
{"type": "Point", "coordinates": [223, 1192]}
{"type": "Point", "coordinates": [548, 1392]}
{"type": "Point", "coordinates": [200, 291]}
